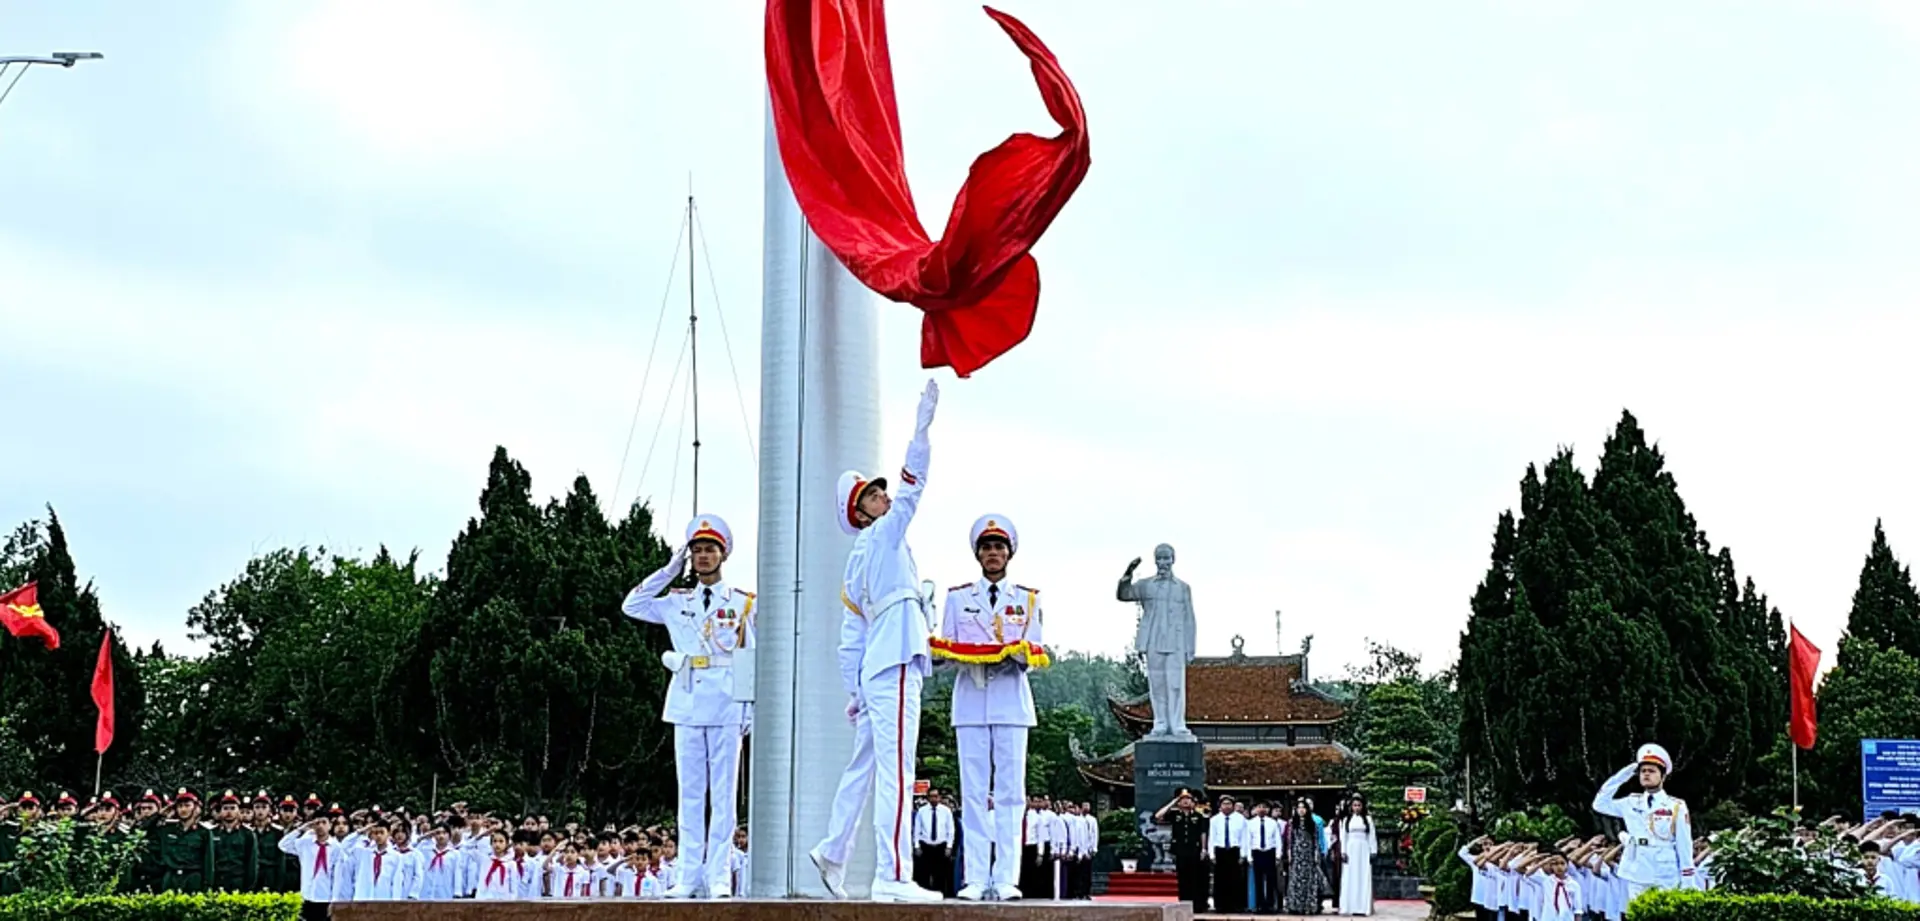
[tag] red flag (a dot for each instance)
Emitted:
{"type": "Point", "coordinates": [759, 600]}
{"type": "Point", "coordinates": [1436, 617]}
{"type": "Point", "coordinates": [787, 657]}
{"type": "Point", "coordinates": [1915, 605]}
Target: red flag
{"type": "Point", "coordinates": [1802, 661]}
{"type": "Point", "coordinates": [831, 83]}
{"type": "Point", "coordinates": [20, 614]}
{"type": "Point", "coordinates": [103, 695]}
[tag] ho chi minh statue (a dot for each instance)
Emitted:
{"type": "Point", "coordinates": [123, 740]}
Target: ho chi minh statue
{"type": "Point", "coordinates": [1165, 640]}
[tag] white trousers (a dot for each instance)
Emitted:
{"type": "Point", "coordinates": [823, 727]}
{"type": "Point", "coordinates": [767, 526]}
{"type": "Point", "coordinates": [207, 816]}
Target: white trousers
{"type": "Point", "coordinates": [886, 739]}
{"type": "Point", "coordinates": [993, 763]}
{"type": "Point", "coordinates": [707, 759]}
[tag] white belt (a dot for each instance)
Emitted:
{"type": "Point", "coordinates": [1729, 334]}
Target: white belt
{"type": "Point", "coordinates": [709, 661]}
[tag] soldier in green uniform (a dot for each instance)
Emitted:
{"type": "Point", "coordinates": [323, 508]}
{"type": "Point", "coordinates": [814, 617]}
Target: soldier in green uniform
{"type": "Point", "coordinates": [147, 871]}
{"type": "Point", "coordinates": [266, 859]}
{"type": "Point", "coordinates": [186, 847]}
{"type": "Point", "coordinates": [236, 849]}
{"type": "Point", "coordinates": [1189, 828]}
{"type": "Point", "coordinates": [25, 811]}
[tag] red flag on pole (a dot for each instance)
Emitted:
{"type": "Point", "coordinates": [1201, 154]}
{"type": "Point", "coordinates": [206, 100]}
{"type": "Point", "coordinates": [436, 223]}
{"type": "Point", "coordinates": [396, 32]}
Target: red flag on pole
{"type": "Point", "coordinates": [20, 613]}
{"type": "Point", "coordinates": [103, 695]}
{"type": "Point", "coordinates": [830, 79]}
{"type": "Point", "coordinates": [1803, 660]}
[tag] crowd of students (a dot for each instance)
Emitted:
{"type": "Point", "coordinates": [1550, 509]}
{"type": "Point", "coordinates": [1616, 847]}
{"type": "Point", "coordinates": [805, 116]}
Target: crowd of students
{"type": "Point", "coordinates": [328, 854]}
{"type": "Point", "coordinates": [1578, 880]}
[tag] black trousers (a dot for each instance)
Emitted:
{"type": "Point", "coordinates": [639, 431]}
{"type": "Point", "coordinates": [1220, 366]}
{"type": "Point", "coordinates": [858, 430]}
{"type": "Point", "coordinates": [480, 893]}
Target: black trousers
{"type": "Point", "coordinates": [1086, 876]}
{"type": "Point", "coordinates": [1266, 882]}
{"type": "Point", "coordinates": [1229, 881]}
{"type": "Point", "coordinates": [314, 911]}
{"type": "Point", "coordinates": [1191, 872]}
{"type": "Point", "coordinates": [933, 867]}
{"type": "Point", "coordinates": [1036, 874]}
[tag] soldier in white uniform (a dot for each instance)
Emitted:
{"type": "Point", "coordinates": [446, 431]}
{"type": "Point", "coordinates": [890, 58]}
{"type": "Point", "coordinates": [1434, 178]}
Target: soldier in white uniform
{"type": "Point", "coordinates": [709, 624]}
{"type": "Point", "coordinates": [1657, 851]}
{"type": "Point", "coordinates": [883, 660]}
{"type": "Point", "coordinates": [992, 705]}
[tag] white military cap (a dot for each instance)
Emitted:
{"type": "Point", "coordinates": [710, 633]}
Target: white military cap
{"type": "Point", "coordinates": [713, 528]}
{"type": "Point", "coordinates": [1656, 756]}
{"type": "Point", "coordinates": [995, 526]}
{"type": "Point", "coordinates": [847, 497]}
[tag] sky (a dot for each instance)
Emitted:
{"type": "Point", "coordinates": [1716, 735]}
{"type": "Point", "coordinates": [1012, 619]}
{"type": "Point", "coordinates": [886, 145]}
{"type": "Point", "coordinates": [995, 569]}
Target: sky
{"type": "Point", "coordinates": [284, 274]}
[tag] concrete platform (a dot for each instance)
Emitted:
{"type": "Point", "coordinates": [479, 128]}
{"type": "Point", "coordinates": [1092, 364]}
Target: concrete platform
{"type": "Point", "coordinates": [760, 910]}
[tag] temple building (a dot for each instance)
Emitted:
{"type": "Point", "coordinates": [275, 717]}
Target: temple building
{"type": "Point", "coordinates": [1267, 732]}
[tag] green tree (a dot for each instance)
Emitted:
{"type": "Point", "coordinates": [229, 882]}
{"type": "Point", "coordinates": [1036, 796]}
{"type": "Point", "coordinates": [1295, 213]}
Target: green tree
{"type": "Point", "coordinates": [57, 727]}
{"type": "Point", "coordinates": [1607, 620]}
{"type": "Point", "coordinates": [1886, 609]}
{"type": "Point", "coordinates": [525, 666]}
{"type": "Point", "coordinates": [1400, 743]}
{"type": "Point", "coordinates": [1086, 681]}
{"type": "Point", "coordinates": [1051, 766]}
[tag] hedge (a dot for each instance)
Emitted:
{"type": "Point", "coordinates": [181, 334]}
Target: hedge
{"type": "Point", "coordinates": [1710, 906]}
{"type": "Point", "coordinates": [246, 907]}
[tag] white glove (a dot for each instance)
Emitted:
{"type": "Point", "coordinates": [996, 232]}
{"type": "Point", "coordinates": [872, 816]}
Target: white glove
{"type": "Point", "coordinates": [674, 661]}
{"type": "Point", "coordinates": [854, 706]}
{"type": "Point", "coordinates": [928, 400]}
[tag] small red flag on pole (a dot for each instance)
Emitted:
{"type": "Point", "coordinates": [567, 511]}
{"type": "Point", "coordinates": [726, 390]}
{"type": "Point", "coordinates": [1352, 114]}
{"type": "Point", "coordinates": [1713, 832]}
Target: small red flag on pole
{"type": "Point", "coordinates": [20, 613]}
{"type": "Point", "coordinates": [103, 695]}
{"type": "Point", "coordinates": [1803, 660]}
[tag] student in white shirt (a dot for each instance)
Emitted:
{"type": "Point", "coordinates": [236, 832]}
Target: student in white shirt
{"type": "Point", "coordinates": [498, 879]}
{"type": "Point", "coordinates": [319, 857]}
{"type": "Point", "coordinates": [441, 868]}
{"type": "Point", "coordinates": [572, 879]}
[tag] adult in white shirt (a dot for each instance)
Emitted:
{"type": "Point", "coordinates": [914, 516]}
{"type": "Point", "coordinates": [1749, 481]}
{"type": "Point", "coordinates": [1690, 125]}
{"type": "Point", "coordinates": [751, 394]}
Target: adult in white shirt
{"type": "Point", "coordinates": [991, 629]}
{"type": "Point", "coordinates": [1658, 838]}
{"type": "Point", "coordinates": [709, 625]}
{"type": "Point", "coordinates": [1227, 834]}
{"type": "Point", "coordinates": [933, 843]}
{"type": "Point", "coordinates": [1263, 844]}
{"type": "Point", "coordinates": [883, 660]}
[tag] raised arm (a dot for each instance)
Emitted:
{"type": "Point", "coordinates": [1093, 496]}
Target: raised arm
{"type": "Point", "coordinates": [1126, 591]}
{"type": "Point", "coordinates": [644, 602]}
{"type": "Point", "coordinates": [1604, 802]}
{"type": "Point", "coordinates": [892, 527]}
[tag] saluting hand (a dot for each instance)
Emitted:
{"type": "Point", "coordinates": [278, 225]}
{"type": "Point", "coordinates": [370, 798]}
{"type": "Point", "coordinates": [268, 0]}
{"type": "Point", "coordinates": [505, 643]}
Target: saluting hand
{"type": "Point", "coordinates": [928, 400]}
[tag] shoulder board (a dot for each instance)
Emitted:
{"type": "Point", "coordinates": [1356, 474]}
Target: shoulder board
{"type": "Point", "coordinates": [680, 591]}
{"type": "Point", "coordinates": [961, 588]}
{"type": "Point", "coordinates": [1027, 588]}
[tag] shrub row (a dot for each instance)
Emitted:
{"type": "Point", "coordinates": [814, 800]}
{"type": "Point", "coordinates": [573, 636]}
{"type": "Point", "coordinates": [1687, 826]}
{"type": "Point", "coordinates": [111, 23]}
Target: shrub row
{"type": "Point", "coordinates": [1710, 906]}
{"type": "Point", "coordinates": [247, 907]}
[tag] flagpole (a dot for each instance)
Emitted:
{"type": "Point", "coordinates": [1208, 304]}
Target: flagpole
{"type": "Point", "coordinates": [99, 761]}
{"type": "Point", "coordinates": [1796, 776]}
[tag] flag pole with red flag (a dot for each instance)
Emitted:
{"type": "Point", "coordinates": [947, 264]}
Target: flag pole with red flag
{"type": "Point", "coordinates": [20, 613]}
{"type": "Point", "coordinates": [1803, 661]}
{"type": "Point", "coordinates": [103, 699]}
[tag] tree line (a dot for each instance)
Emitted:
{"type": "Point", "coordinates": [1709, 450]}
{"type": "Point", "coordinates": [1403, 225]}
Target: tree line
{"type": "Point", "coordinates": [508, 678]}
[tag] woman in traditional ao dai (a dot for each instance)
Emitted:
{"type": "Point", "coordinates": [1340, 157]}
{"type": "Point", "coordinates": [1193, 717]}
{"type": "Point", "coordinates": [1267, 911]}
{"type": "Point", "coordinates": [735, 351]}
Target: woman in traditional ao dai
{"type": "Point", "coordinates": [1358, 843]}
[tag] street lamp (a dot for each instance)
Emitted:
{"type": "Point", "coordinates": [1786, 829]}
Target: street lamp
{"type": "Point", "coordinates": [58, 58]}
{"type": "Point", "coordinates": [26, 62]}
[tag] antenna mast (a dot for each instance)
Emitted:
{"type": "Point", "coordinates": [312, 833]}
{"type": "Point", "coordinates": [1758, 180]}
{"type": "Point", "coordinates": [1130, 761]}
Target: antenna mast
{"type": "Point", "coordinates": [693, 344]}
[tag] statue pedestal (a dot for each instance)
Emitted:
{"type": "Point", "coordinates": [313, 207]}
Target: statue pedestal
{"type": "Point", "coordinates": [1161, 769]}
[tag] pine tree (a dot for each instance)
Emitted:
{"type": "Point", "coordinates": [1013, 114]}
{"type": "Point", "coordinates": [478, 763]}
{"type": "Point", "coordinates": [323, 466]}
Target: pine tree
{"type": "Point", "coordinates": [1606, 620]}
{"type": "Point", "coordinates": [1886, 610]}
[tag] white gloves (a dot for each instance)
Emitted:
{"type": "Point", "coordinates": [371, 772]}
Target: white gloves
{"type": "Point", "coordinates": [854, 706]}
{"type": "Point", "coordinates": [928, 400]}
{"type": "Point", "coordinates": [674, 661]}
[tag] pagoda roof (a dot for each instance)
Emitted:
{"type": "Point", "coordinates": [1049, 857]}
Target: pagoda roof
{"type": "Point", "coordinates": [1265, 767]}
{"type": "Point", "coordinates": [1239, 689]}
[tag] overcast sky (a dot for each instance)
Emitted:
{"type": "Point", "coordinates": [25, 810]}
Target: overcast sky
{"type": "Point", "coordinates": [277, 274]}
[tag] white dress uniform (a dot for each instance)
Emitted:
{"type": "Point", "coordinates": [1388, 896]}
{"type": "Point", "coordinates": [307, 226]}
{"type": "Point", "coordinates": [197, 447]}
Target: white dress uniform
{"type": "Point", "coordinates": [1658, 851]}
{"type": "Point", "coordinates": [883, 661]}
{"type": "Point", "coordinates": [708, 625]}
{"type": "Point", "coordinates": [992, 711]}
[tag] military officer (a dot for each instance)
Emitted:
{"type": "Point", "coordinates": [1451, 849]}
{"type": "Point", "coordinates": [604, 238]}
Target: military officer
{"type": "Point", "coordinates": [708, 624]}
{"type": "Point", "coordinates": [1657, 851]}
{"type": "Point", "coordinates": [884, 657]}
{"type": "Point", "coordinates": [66, 807]}
{"type": "Point", "coordinates": [185, 847]}
{"type": "Point", "coordinates": [236, 849]}
{"type": "Point", "coordinates": [147, 868]}
{"type": "Point", "coordinates": [26, 811]}
{"type": "Point", "coordinates": [992, 704]}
